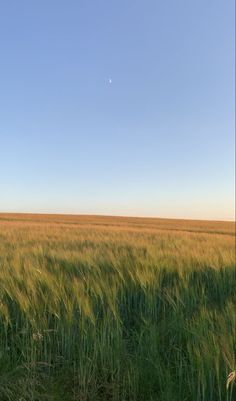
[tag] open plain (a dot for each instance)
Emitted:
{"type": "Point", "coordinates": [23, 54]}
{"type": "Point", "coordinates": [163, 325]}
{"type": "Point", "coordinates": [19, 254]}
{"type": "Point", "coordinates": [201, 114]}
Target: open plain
{"type": "Point", "coordinates": [99, 308]}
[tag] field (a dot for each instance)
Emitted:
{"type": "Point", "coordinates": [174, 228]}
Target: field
{"type": "Point", "coordinates": [116, 309]}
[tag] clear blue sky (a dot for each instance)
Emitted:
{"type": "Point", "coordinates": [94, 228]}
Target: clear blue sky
{"type": "Point", "coordinates": [156, 141]}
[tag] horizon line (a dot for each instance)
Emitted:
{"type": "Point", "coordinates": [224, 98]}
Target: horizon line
{"type": "Point", "coordinates": [233, 220]}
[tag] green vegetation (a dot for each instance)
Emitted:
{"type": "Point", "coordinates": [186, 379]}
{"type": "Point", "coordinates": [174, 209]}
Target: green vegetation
{"type": "Point", "coordinates": [116, 309]}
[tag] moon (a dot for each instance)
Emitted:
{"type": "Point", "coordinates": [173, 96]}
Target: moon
{"type": "Point", "coordinates": [110, 80]}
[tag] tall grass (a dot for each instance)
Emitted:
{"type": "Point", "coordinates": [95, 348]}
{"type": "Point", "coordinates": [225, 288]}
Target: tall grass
{"type": "Point", "coordinates": [96, 309]}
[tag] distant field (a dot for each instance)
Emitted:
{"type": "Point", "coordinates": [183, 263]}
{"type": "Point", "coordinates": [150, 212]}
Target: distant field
{"type": "Point", "coordinates": [116, 309]}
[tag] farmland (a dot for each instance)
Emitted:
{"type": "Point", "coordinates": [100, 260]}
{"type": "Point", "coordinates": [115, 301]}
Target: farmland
{"type": "Point", "coordinates": [120, 309]}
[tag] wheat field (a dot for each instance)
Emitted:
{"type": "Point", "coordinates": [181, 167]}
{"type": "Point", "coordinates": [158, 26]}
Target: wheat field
{"type": "Point", "coordinates": [116, 309]}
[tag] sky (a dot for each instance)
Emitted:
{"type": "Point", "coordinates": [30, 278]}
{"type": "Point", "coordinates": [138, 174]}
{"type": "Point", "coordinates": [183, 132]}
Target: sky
{"type": "Point", "coordinates": [118, 107]}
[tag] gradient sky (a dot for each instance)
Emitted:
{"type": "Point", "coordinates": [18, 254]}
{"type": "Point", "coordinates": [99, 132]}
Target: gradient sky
{"type": "Point", "coordinates": [156, 141]}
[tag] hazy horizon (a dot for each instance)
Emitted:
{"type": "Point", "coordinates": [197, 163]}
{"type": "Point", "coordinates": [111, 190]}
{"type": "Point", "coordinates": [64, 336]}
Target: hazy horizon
{"type": "Point", "coordinates": [118, 108]}
{"type": "Point", "coordinates": [23, 213]}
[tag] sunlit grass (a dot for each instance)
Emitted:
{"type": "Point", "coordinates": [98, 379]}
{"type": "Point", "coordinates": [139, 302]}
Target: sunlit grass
{"type": "Point", "coordinates": [95, 308]}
